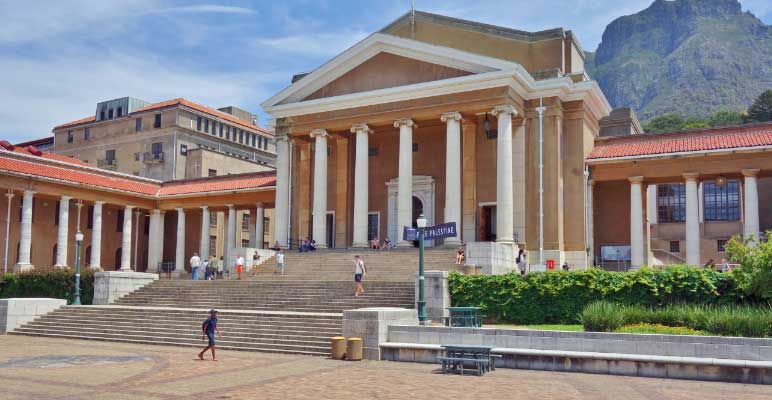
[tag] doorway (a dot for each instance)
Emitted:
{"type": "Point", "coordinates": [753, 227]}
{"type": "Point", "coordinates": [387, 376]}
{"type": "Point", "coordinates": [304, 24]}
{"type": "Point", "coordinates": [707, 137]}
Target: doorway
{"type": "Point", "coordinates": [488, 223]}
{"type": "Point", "coordinates": [330, 229]}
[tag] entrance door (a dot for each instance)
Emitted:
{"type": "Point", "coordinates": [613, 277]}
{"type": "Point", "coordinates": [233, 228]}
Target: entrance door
{"type": "Point", "coordinates": [373, 226]}
{"type": "Point", "coordinates": [330, 230]}
{"type": "Point", "coordinates": [488, 224]}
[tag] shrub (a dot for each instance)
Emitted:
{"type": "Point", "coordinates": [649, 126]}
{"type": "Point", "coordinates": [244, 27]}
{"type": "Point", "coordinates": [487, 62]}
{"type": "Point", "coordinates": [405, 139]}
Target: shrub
{"type": "Point", "coordinates": [750, 321]}
{"type": "Point", "coordinates": [559, 297]}
{"type": "Point", "coordinates": [754, 276]}
{"type": "Point", "coordinates": [59, 283]}
{"type": "Point", "coordinates": [658, 329]}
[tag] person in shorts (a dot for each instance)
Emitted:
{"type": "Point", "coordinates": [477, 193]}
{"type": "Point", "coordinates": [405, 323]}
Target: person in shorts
{"type": "Point", "coordinates": [279, 262]}
{"type": "Point", "coordinates": [208, 330]}
{"type": "Point", "coordinates": [239, 266]}
{"type": "Point", "coordinates": [359, 271]}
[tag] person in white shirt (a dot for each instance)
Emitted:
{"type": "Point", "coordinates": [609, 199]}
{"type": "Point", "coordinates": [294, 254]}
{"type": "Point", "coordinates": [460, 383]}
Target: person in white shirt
{"type": "Point", "coordinates": [360, 269]}
{"type": "Point", "coordinates": [279, 262]}
{"type": "Point", "coordinates": [195, 265]}
{"type": "Point", "coordinates": [239, 265]}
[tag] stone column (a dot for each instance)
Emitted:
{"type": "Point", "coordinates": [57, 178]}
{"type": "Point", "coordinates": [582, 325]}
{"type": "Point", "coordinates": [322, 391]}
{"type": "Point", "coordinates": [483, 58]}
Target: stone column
{"type": "Point", "coordinates": [63, 232]}
{"type": "Point", "coordinates": [320, 188]}
{"type": "Point", "coordinates": [155, 241]}
{"type": "Point", "coordinates": [126, 244]}
{"type": "Point", "coordinates": [405, 178]}
{"type": "Point", "coordinates": [281, 210]}
{"type": "Point", "coordinates": [591, 221]}
{"type": "Point", "coordinates": [203, 245]}
{"type": "Point", "coordinates": [505, 210]}
{"type": "Point", "coordinates": [179, 255]}
{"type": "Point", "coordinates": [25, 241]}
{"type": "Point", "coordinates": [751, 204]}
{"type": "Point", "coordinates": [651, 204]}
{"type": "Point", "coordinates": [636, 221]}
{"type": "Point", "coordinates": [361, 184]}
{"type": "Point", "coordinates": [259, 232]}
{"type": "Point", "coordinates": [453, 173]}
{"type": "Point", "coordinates": [692, 220]}
{"type": "Point", "coordinates": [96, 236]}
{"type": "Point", "coordinates": [230, 234]}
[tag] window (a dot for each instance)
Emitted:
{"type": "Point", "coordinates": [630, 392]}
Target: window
{"type": "Point", "coordinates": [198, 123]}
{"type": "Point", "coordinates": [259, 142]}
{"type": "Point", "coordinates": [102, 115]}
{"type": "Point", "coordinates": [138, 125]}
{"type": "Point", "coordinates": [671, 202]}
{"type": "Point", "coordinates": [157, 121]}
{"type": "Point", "coordinates": [722, 203]}
{"type": "Point", "coordinates": [213, 220]}
{"type": "Point", "coordinates": [241, 136]}
{"type": "Point", "coordinates": [119, 221]}
{"type": "Point", "coordinates": [254, 140]}
{"type": "Point", "coordinates": [221, 127]}
{"type": "Point", "coordinates": [56, 213]}
{"type": "Point", "coordinates": [136, 156]}
{"type": "Point", "coordinates": [245, 222]}
{"type": "Point", "coordinates": [213, 246]}
{"type": "Point", "coordinates": [720, 245]}
{"type": "Point", "coordinates": [157, 149]}
{"type": "Point", "coordinates": [212, 172]}
{"type": "Point", "coordinates": [228, 133]}
{"type": "Point", "coordinates": [214, 127]}
{"type": "Point", "coordinates": [120, 112]}
{"type": "Point", "coordinates": [244, 242]}
{"type": "Point", "coordinates": [90, 217]}
{"type": "Point", "coordinates": [206, 125]}
{"type": "Point", "coordinates": [146, 227]}
{"type": "Point", "coordinates": [266, 225]}
{"type": "Point", "coordinates": [675, 246]}
{"type": "Point", "coordinates": [69, 137]}
{"type": "Point", "coordinates": [109, 156]}
{"type": "Point", "coordinates": [183, 149]}
{"type": "Point", "coordinates": [87, 134]}
{"type": "Point", "coordinates": [110, 114]}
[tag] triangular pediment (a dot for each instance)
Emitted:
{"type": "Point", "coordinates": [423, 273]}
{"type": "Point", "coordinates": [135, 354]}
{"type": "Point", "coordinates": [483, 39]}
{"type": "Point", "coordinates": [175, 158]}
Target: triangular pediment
{"type": "Point", "coordinates": [384, 61]}
{"type": "Point", "coordinates": [386, 70]}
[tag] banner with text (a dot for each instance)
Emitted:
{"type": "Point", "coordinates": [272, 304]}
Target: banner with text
{"type": "Point", "coordinates": [431, 232]}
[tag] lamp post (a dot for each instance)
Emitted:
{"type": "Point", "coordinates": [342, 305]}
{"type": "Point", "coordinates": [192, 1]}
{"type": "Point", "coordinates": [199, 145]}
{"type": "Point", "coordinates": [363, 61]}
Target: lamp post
{"type": "Point", "coordinates": [78, 242]}
{"type": "Point", "coordinates": [421, 223]}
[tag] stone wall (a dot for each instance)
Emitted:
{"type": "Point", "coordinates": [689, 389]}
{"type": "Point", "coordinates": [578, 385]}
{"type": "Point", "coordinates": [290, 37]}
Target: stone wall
{"type": "Point", "coordinates": [16, 312]}
{"type": "Point", "coordinates": [372, 324]}
{"type": "Point", "coordinates": [110, 286]}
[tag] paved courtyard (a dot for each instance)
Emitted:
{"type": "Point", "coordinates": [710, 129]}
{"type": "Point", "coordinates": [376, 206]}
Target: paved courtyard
{"type": "Point", "coordinates": [40, 368]}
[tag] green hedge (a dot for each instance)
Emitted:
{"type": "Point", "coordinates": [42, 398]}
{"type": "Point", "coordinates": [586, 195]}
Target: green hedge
{"type": "Point", "coordinates": [59, 284]}
{"type": "Point", "coordinates": [724, 320]}
{"type": "Point", "coordinates": [559, 297]}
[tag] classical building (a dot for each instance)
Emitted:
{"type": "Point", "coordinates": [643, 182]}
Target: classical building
{"type": "Point", "coordinates": [677, 197]}
{"type": "Point", "coordinates": [128, 222]}
{"type": "Point", "coordinates": [441, 116]}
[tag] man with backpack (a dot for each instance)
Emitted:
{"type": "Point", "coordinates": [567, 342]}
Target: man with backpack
{"type": "Point", "coordinates": [208, 329]}
{"type": "Point", "coordinates": [359, 271]}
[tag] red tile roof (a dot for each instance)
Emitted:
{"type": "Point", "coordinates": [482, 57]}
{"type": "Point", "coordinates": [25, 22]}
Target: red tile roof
{"type": "Point", "coordinates": [91, 176]}
{"type": "Point", "coordinates": [681, 142]}
{"type": "Point", "coordinates": [217, 184]}
{"type": "Point", "coordinates": [182, 102]}
{"type": "Point", "coordinates": [51, 156]}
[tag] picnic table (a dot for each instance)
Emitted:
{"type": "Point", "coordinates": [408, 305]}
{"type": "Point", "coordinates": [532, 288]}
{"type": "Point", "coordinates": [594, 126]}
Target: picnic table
{"type": "Point", "coordinates": [468, 317]}
{"type": "Point", "coordinates": [459, 357]}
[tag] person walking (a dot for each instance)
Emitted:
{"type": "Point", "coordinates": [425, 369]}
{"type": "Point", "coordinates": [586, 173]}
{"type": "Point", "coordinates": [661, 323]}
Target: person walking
{"type": "Point", "coordinates": [239, 266]}
{"type": "Point", "coordinates": [255, 264]}
{"type": "Point", "coordinates": [279, 262]}
{"type": "Point", "coordinates": [208, 329]}
{"type": "Point", "coordinates": [220, 267]}
{"type": "Point", "coordinates": [360, 269]}
{"type": "Point", "coordinates": [195, 264]}
{"type": "Point", "coordinates": [521, 261]}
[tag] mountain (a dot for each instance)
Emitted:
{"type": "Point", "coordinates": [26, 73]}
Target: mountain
{"type": "Point", "coordinates": [690, 57]}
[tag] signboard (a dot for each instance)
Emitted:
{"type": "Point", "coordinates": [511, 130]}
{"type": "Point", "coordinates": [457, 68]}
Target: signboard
{"type": "Point", "coordinates": [431, 232]}
{"type": "Point", "coordinates": [615, 253]}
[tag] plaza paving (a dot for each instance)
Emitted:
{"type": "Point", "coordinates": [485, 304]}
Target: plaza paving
{"type": "Point", "coordinates": [42, 368]}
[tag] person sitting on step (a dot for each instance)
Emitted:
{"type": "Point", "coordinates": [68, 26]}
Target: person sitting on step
{"type": "Point", "coordinates": [387, 244]}
{"type": "Point", "coordinates": [460, 256]}
{"type": "Point", "coordinates": [374, 244]}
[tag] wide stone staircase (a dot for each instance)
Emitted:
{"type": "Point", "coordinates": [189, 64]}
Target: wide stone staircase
{"type": "Point", "coordinates": [292, 313]}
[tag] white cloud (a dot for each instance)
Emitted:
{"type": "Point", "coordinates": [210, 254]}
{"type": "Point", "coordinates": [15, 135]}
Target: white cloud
{"type": "Point", "coordinates": [207, 9]}
{"type": "Point", "coordinates": [326, 44]}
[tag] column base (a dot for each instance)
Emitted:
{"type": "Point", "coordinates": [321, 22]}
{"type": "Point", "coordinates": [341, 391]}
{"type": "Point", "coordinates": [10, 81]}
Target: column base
{"type": "Point", "coordinates": [94, 267]}
{"type": "Point", "coordinates": [23, 267]}
{"type": "Point", "coordinates": [403, 244]}
{"type": "Point", "coordinates": [360, 245]}
{"type": "Point", "coordinates": [506, 240]}
{"type": "Point", "coordinates": [125, 270]}
{"type": "Point", "coordinates": [62, 266]}
{"type": "Point", "coordinates": [452, 242]}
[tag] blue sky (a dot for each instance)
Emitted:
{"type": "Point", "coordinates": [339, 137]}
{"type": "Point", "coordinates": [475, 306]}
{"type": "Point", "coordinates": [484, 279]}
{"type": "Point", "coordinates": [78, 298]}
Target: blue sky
{"type": "Point", "coordinates": [58, 58]}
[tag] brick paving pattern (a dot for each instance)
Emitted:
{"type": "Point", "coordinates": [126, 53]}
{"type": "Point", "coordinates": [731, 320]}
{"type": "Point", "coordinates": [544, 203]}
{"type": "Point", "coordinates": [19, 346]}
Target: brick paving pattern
{"type": "Point", "coordinates": [43, 368]}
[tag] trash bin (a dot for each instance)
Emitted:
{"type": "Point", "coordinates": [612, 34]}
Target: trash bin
{"type": "Point", "coordinates": [338, 347]}
{"type": "Point", "coordinates": [354, 349]}
{"type": "Point", "coordinates": [470, 269]}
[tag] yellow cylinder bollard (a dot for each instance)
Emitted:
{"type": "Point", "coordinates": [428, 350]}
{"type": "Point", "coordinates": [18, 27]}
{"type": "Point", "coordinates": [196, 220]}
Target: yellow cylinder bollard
{"type": "Point", "coordinates": [338, 347]}
{"type": "Point", "coordinates": [469, 269]}
{"type": "Point", "coordinates": [354, 349]}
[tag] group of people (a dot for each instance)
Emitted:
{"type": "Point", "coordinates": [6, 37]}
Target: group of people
{"type": "Point", "coordinates": [386, 245]}
{"type": "Point", "coordinates": [724, 267]}
{"type": "Point", "coordinates": [307, 244]}
{"type": "Point", "coordinates": [214, 268]}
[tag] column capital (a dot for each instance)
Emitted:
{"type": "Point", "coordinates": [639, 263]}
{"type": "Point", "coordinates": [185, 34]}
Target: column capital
{"type": "Point", "coordinates": [750, 172]}
{"type": "Point", "coordinates": [635, 179]}
{"type": "Point", "coordinates": [204, 208]}
{"type": "Point", "coordinates": [29, 192]}
{"type": "Point", "coordinates": [364, 128]}
{"type": "Point", "coordinates": [9, 195]}
{"type": "Point", "coordinates": [99, 202]}
{"type": "Point", "coordinates": [230, 206]}
{"type": "Point", "coordinates": [66, 198]}
{"type": "Point", "coordinates": [591, 182]}
{"type": "Point", "coordinates": [691, 176]}
{"type": "Point", "coordinates": [318, 132]}
{"type": "Point", "coordinates": [129, 208]}
{"type": "Point", "coordinates": [504, 109]}
{"type": "Point", "coordinates": [156, 211]}
{"type": "Point", "coordinates": [260, 205]}
{"type": "Point", "coordinates": [451, 116]}
{"type": "Point", "coordinates": [405, 122]}
{"type": "Point", "coordinates": [180, 209]}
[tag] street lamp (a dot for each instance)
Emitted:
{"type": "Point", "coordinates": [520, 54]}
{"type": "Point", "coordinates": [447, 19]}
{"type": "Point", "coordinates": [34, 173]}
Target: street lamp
{"type": "Point", "coordinates": [78, 241]}
{"type": "Point", "coordinates": [421, 223]}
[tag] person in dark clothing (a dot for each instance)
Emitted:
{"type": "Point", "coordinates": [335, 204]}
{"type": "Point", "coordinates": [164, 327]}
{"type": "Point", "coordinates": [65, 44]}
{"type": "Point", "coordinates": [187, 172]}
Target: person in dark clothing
{"type": "Point", "coordinates": [208, 329]}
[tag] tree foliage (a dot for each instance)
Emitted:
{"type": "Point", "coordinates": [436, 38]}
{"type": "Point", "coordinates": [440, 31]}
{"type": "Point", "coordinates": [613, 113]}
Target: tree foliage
{"type": "Point", "coordinates": [754, 276]}
{"type": "Point", "coordinates": [761, 110]}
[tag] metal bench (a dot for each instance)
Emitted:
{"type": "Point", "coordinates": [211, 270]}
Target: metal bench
{"type": "Point", "coordinates": [477, 356]}
{"type": "Point", "coordinates": [457, 364]}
